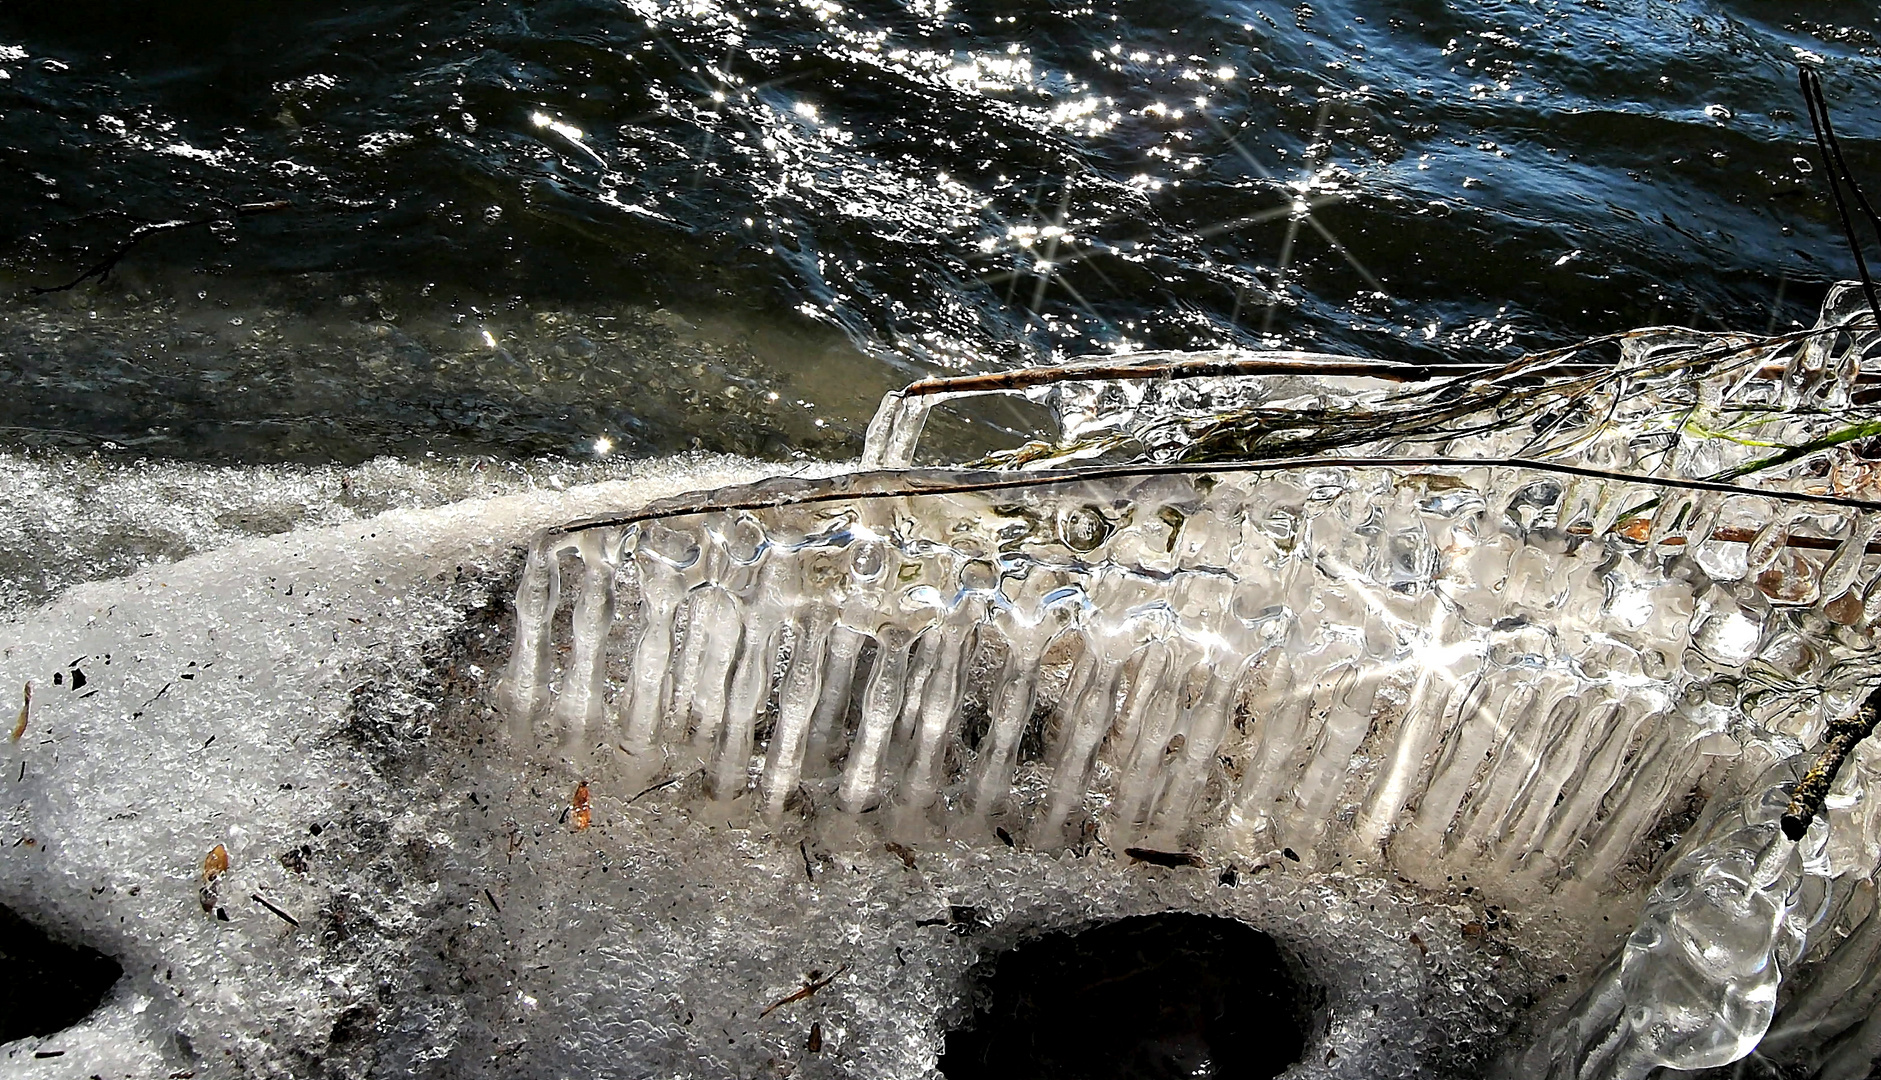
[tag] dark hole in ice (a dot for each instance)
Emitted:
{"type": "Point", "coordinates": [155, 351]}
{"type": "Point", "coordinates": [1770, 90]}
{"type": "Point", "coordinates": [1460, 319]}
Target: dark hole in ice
{"type": "Point", "coordinates": [47, 986]}
{"type": "Point", "coordinates": [1144, 998]}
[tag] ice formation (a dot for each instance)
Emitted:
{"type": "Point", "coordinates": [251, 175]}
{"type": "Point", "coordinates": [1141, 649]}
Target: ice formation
{"type": "Point", "coordinates": [1514, 637]}
{"type": "Point", "coordinates": [314, 704]}
{"type": "Point", "coordinates": [1488, 731]}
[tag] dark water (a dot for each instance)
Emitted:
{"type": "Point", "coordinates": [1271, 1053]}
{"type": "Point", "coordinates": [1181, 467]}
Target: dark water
{"type": "Point", "coordinates": [1155, 997]}
{"type": "Point", "coordinates": [514, 228]}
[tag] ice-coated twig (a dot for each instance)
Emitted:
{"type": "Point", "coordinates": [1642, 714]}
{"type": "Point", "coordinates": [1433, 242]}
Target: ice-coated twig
{"type": "Point", "coordinates": [1841, 739]}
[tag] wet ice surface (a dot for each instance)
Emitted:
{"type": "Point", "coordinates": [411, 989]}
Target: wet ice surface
{"type": "Point", "coordinates": [315, 703]}
{"type": "Point", "coordinates": [69, 519]}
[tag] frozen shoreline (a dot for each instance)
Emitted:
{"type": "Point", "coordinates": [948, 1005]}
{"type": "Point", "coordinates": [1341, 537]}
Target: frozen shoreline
{"type": "Point", "coordinates": [451, 922]}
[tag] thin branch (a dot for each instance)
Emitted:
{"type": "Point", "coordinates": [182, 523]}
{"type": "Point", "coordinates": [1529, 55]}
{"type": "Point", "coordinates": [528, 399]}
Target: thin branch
{"type": "Point", "coordinates": [1831, 152]}
{"type": "Point", "coordinates": [105, 265]}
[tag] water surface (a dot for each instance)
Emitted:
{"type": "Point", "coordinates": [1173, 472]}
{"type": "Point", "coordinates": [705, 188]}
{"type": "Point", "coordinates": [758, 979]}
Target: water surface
{"type": "Point", "coordinates": [517, 229]}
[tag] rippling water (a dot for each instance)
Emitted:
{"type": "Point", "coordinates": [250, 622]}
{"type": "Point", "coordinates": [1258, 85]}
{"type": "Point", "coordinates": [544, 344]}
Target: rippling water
{"type": "Point", "coordinates": [521, 229]}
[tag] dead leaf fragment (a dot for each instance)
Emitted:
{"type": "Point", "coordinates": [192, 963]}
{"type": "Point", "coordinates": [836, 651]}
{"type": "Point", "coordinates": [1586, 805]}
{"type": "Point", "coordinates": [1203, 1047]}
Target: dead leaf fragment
{"type": "Point", "coordinates": [215, 863]}
{"type": "Point", "coordinates": [583, 813]}
{"type": "Point", "coordinates": [26, 704]}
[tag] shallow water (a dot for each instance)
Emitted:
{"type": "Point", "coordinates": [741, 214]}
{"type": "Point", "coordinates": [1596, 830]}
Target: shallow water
{"type": "Point", "coordinates": [556, 228]}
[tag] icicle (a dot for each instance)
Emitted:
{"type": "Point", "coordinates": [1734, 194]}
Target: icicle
{"type": "Point", "coordinates": [896, 427]}
{"type": "Point", "coordinates": [1564, 753]}
{"type": "Point", "coordinates": [1476, 707]}
{"type": "Point", "coordinates": [660, 556]}
{"type": "Point", "coordinates": [940, 705]}
{"type": "Point", "coordinates": [1149, 717]}
{"type": "Point", "coordinates": [578, 710]}
{"type": "Point", "coordinates": [1553, 701]}
{"type": "Point", "coordinates": [1086, 718]}
{"type": "Point", "coordinates": [1343, 702]}
{"type": "Point", "coordinates": [881, 705]}
{"type": "Point", "coordinates": [1665, 767]}
{"type": "Point", "coordinates": [1619, 722]}
{"type": "Point", "coordinates": [714, 636]}
{"type": "Point", "coordinates": [525, 690]}
{"type": "Point", "coordinates": [1014, 692]}
{"type": "Point", "coordinates": [728, 770]}
{"type": "Point", "coordinates": [796, 703]}
{"type": "Point", "coordinates": [1416, 734]}
{"type": "Point", "coordinates": [1285, 729]}
{"type": "Point", "coordinates": [822, 743]}
{"type": "Point", "coordinates": [872, 565]}
{"type": "Point", "coordinates": [1204, 724]}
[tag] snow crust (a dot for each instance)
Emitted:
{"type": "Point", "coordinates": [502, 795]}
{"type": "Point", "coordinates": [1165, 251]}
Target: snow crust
{"type": "Point", "coordinates": [66, 519]}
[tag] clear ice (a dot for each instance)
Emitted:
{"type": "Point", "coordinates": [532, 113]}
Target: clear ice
{"type": "Point", "coordinates": [1522, 646]}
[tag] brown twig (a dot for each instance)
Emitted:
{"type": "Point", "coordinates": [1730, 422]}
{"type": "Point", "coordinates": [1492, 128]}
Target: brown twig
{"type": "Point", "coordinates": [1299, 363]}
{"type": "Point", "coordinates": [919, 482]}
{"type": "Point", "coordinates": [808, 989]}
{"type": "Point", "coordinates": [109, 262]}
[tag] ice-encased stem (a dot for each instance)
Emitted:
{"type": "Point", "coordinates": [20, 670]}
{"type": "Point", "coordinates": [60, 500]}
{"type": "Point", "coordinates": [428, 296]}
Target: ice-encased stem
{"type": "Point", "coordinates": [1696, 984]}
